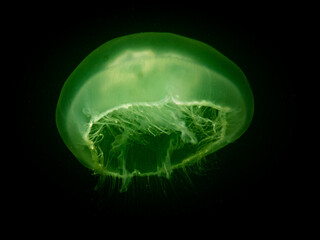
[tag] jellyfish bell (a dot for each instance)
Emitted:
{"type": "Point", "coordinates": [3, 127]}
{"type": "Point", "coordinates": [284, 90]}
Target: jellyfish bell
{"type": "Point", "coordinates": [148, 103]}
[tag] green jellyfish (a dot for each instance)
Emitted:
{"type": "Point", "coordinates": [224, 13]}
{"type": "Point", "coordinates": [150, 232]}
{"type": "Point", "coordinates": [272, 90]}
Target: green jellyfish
{"type": "Point", "coordinates": [149, 103]}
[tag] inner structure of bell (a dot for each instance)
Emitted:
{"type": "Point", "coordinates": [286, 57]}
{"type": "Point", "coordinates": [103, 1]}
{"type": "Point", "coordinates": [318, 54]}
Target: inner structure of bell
{"type": "Point", "coordinates": [153, 139]}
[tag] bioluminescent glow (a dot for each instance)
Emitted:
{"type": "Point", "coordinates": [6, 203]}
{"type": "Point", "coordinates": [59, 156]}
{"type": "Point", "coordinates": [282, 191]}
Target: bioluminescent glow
{"type": "Point", "coordinates": [149, 103]}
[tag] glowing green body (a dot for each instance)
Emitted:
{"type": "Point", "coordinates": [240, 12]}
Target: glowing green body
{"type": "Point", "coordinates": [148, 103]}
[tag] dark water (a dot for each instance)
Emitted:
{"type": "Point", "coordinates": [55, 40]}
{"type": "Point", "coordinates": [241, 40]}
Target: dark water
{"type": "Point", "coordinates": [251, 176]}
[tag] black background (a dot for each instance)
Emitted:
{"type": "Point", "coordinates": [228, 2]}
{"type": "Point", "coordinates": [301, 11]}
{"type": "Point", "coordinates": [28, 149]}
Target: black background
{"type": "Point", "coordinates": [255, 177]}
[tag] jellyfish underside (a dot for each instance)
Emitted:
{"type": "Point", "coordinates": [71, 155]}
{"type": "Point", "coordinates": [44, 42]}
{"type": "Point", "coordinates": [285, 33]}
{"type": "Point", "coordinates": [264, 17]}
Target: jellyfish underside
{"type": "Point", "coordinates": [133, 108]}
{"type": "Point", "coordinates": [153, 139]}
{"type": "Point", "coordinates": [156, 132]}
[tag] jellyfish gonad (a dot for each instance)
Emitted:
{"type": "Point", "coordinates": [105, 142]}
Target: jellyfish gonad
{"type": "Point", "coordinates": [149, 103]}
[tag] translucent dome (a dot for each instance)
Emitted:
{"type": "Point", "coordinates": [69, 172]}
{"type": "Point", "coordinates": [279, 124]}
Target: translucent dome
{"type": "Point", "coordinates": [147, 103]}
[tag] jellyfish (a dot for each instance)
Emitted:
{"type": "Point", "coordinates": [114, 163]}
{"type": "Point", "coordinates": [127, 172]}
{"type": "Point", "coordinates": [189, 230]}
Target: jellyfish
{"type": "Point", "coordinates": [147, 104]}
